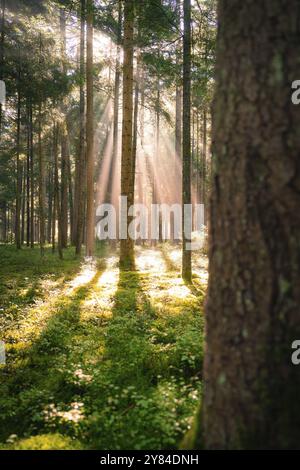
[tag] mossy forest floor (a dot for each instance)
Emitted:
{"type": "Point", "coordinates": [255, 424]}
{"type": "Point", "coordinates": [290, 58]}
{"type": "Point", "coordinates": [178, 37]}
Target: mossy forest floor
{"type": "Point", "coordinates": [97, 358]}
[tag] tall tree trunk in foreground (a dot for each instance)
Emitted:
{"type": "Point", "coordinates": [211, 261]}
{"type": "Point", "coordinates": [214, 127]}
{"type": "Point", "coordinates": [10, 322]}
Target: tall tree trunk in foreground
{"type": "Point", "coordinates": [90, 215]}
{"type": "Point", "coordinates": [251, 393]}
{"type": "Point", "coordinates": [81, 188]}
{"type": "Point", "coordinates": [127, 188]}
{"type": "Point", "coordinates": [186, 143]}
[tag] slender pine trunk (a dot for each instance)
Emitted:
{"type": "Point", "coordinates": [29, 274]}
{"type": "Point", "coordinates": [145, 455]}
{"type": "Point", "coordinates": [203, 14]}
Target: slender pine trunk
{"type": "Point", "coordinates": [57, 204]}
{"type": "Point", "coordinates": [117, 86]}
{"type": "Point", "coordinates": [18, 175]}
{"type": "Point", "coordinates": [90, 211]}
{"type": "Point", "coordinates": [178, 104]}
{"type": "Point", "coordinates": [127, 189]}
{"type": "Point", "coordinates": [64, 142]}
{"type": "Point", "coordinates": [42, 182]}
{"type": "Point", "coordinates": [23, 199]}
{"type": "Point", "coordinates": [186, 144]}
{"type": "Point", "coordinates": [81, 191]}
{"type": "Point", "coordinates": [2, 54]}
{"type": "Point", "coordinates": [32, 179]}
{"type": "Point", "coordinates": [28, 179]}
{"type": "Point", "coordinates": [135, 123]}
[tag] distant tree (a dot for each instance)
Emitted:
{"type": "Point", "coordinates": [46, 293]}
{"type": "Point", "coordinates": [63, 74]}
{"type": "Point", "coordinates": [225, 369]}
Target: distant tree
{"type": "Point", "coordinates": [127, 185]}
{"type": "Point", "coordinates": [2, 53]}
{"type": "Point", "coordinates": [117, 85]}
{"type": "Point", "coordinates": [178, 104]}
{"type": "Point", "coordinates": [186, 143]}
{"type": "Point", "coordinates": [18, 163]}
{"type": "Point", "coordinates": [81, 166]}
{"type": "Point", "coordinates": [64, 140]}
{"type": "Point", "coordinates": [90, 228]}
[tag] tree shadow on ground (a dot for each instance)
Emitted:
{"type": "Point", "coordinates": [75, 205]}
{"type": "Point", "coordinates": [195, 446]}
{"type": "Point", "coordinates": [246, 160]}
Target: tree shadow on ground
{"type": "Point", "coordinates": [36, 380]}
{"type": "Point", "coordinates": [170, 264]}
{"type": "Point", "coordinates": [25, 277]}
{"type": "Point", "coordinates": [128, 332]}
{"type": "Point", "coordinates": [145, 370]}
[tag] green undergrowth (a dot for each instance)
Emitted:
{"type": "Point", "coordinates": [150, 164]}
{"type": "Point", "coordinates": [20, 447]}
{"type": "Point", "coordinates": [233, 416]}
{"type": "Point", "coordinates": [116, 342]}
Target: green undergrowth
{"type": "Point", "coordinates": [123, 375]}
{"type": "Point", "coordinates": [25, 276]}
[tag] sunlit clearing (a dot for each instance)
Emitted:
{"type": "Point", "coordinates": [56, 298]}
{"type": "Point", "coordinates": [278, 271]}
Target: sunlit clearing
{"type": "Point", "coordinates": [178, 289]}
{"type": "Point", "coordinates": [200, 268]}
{"type": "Point", "coordinates": [148, 259]}
{"type": "Point", "coordinates": [85, 276]}
{"type": "Point", "coordinates": [175, 256]}
{"type": "Point", "coordinates": [100, 303]}
{"type": "Point", "coordinates": [174, 289]}
{"type": "Point", "coordinates": [199, 262]}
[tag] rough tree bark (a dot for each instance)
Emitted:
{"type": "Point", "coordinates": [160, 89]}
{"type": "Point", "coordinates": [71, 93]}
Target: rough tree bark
{"type": "Point", "coordinates": [251, 393]}
{"type": "Point", "coordinates": [127, 188]}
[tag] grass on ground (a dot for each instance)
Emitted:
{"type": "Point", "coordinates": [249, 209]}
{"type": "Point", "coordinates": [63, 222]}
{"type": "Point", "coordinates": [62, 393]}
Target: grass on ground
{"type": "Point", "coordinates": [97, 358]}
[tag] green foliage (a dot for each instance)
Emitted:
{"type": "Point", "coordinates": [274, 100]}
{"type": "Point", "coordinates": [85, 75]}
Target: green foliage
{"type": "Point", "coordinates": [43, 442]}
{"type": "Point", "coordinates": [204, 47]}
{"type": "Point", "coordinates": [23, 275]}
{"type": "Point", "coordinates": [32, 69]}
{"type": "Point", "coordinates": [127, 376]}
